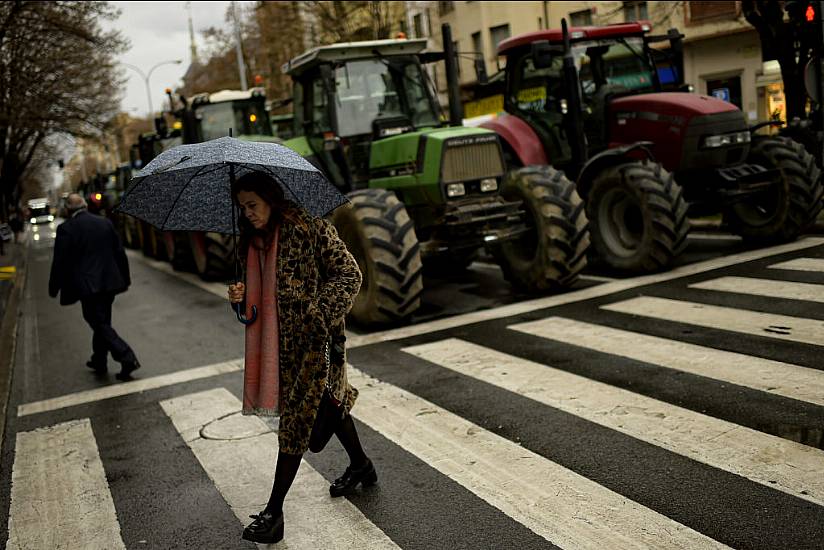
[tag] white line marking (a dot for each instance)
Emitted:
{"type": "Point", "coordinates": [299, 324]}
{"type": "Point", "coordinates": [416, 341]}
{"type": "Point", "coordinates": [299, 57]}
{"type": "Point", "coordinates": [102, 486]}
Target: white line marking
{"type": "Point", "coordinates": [760, 457]}
{"type": "Point", "coordinates": [781, 327]}
{"type": "Point", "coordinates": [217, 289]}
{"type": "Point", "coordinates": [126, 388]}
{"type": "Point", "coordinates": [597, 278]}
{"type": "Point", "coordinates": [802, 264]}
{"type": "Point", "coordinates": [60, 498]}
{"type": "Point", "coordinates": [239, 454]}
{"type": "Point", "coordinates": [793, 381]}
{"type": "Point", "coordinates": [554, 502]}
{"type": "Point", "coordinates": [765, 287]}
{"type": "Point", "coordinates": [579, 295]}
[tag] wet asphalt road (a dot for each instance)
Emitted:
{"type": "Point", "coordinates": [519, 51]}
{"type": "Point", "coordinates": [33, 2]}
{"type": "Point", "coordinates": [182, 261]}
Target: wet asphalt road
{"type": "Point", "coordinates": [164, 499]}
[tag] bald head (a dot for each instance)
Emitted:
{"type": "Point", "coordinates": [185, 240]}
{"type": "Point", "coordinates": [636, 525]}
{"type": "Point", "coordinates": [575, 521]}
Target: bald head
{"type": "Point", "coordinates": [75, 202]}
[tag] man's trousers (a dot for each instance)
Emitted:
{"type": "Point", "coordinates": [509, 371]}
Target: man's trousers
{"type": "Point", "coordinates": [97, 311]}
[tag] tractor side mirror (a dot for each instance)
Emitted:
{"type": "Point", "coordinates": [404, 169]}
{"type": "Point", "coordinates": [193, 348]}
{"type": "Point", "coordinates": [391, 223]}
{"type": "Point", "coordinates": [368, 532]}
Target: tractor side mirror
{"type": "Point", "coordinates": [480, 71]}
{"type": "Point", "coordinates": [811, 80]}
{"type": "Point", "coordinates": [542, 54]}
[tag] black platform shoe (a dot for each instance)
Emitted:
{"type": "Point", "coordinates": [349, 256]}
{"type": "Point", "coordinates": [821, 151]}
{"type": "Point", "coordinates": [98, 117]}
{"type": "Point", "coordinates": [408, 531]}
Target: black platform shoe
{"type": "Point", "coordinates": [347, 483]}
{"type": "Point", "coordinates": [266, 528]}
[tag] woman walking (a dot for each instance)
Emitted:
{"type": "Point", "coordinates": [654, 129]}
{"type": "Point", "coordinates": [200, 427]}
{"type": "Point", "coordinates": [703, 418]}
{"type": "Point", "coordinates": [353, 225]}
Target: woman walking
{"type": "Point", "coordinates": [302, 280]}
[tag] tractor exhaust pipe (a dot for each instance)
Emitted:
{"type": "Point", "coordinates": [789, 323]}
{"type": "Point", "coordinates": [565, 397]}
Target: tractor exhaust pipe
{"type": "Point", "coordinates": [452, 85]}
{"type": "Point", "coordinates": [575, 123]}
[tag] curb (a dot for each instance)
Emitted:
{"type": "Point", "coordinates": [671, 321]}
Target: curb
{"type": "Point", "coordinates": [8, 341]}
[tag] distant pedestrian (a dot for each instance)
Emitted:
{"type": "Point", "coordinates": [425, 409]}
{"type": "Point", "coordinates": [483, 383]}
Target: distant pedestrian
{"type": "Point", "coordinates": [16, 224]}
{"type": "Point", "coordinates": [303, 281]}
{"type": "Point", "coordinates": [90, 265]}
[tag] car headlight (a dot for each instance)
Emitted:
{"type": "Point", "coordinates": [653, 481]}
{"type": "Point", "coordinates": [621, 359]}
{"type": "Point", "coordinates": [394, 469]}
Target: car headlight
{"type": "Point", "coordinates": [455, 190]}
{"type": "Point", "coordinates": [489, 184]}
{"type": "Point", "coordinates": [722, 140]}
{"type": "Point", "coordinates": [33, 220]}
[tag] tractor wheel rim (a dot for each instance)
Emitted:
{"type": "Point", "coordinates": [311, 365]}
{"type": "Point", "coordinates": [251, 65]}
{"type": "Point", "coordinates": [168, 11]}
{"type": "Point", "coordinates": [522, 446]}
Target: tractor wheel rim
{"type": "Point", "coordinates": [621, 222]}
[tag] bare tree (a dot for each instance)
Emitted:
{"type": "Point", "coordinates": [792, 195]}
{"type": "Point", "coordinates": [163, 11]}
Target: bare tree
{"type": "Point", "coordinates": [57, 74]}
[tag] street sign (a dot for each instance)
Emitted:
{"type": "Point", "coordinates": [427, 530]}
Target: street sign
{"type": "Point", "coordinates": [722, 94]}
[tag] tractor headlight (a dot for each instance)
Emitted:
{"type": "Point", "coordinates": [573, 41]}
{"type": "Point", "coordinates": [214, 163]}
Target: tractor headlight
{"type": "Point", "coordinates": [489, 184]}
{"type": "Point", "coordinates": [722, 140]}
{"type": "Point", "coordinates": [455, 190]}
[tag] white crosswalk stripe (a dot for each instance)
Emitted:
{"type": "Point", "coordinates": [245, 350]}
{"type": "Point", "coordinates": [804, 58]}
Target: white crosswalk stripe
{"type": "Point", "coordinates": [60, 498]}
{"type": "Point", "coordinates": [765, 287]}
{"type": "Point", "coordinates": [721, 444]}
{"type": "Point", "coordinates": [554, 502]}
{"type": "Point", "coordinates": [802, 264]}
{"type": "Point", "coordinates": [793, 381]}
{"type": "Point", "coordinates": [780, 327]}
{"type": "Point", "coordinates": [239, 452]}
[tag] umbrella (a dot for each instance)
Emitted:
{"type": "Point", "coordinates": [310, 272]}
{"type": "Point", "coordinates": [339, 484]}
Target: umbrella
{"type": "Point", "coordinates": [188, 187]}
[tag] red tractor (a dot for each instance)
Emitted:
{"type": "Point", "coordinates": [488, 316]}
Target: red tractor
{"type": "Point", "coordinates": [611, 111]}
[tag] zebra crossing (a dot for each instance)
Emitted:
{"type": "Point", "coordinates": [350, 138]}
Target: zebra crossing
{"type": "Point", "coordinates": [661, 416]}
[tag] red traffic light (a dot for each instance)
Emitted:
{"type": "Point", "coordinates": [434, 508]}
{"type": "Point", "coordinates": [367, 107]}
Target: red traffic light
{"type": "Point", "coordinates": [809, 14]}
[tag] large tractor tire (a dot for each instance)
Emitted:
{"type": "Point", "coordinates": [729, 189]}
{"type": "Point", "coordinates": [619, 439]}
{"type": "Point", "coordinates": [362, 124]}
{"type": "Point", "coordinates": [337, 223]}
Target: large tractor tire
{"type": "Point", "coordinates": [552, 254]}
{"type": "Point", "coordinates": [213, 255]}
{"type": "Point", "coordinates": [783, 211]}
{"type": "Point", "coordinates": [178, 250]}
{"type": "Point", "coordinates": [638, 217]}
{"type": "Point", "coordinates": [380, 235]}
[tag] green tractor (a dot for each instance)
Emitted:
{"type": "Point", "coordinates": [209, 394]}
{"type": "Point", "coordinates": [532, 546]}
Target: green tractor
{"type": "Point", "coordinates": [423, 191]}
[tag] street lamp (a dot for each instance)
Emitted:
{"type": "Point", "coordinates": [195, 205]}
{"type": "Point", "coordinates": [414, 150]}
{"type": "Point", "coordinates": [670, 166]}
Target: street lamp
{"type": "Point", "coordinates": [147, 76]}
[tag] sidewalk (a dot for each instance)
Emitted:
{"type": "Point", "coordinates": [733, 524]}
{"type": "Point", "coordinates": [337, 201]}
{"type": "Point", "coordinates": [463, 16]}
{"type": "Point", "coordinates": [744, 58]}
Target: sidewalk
{"type": "Point", "coordinates": [12, 278]}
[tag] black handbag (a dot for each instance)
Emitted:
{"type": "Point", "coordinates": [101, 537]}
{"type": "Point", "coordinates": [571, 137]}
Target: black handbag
{"type": "Point", "coordinates": [330, 414]}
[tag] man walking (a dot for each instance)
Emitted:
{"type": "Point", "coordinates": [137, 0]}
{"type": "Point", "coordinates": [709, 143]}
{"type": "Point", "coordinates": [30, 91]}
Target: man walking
{"type": "Point", "coordinates": [90, 265]}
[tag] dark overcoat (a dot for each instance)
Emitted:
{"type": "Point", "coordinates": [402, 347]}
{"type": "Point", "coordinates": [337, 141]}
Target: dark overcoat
{"type": "Point", "coordinates": [317, 282]}
{"type": "Point", "coordinates": [88, 259]}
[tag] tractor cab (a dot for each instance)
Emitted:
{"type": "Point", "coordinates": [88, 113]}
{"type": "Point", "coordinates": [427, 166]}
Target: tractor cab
{"type": "Point", "coordinates": [612, 62]}
{"type": "Point", "coordinates": [244, 111]}
{"type": "Point", "coordinates": [346, 96]}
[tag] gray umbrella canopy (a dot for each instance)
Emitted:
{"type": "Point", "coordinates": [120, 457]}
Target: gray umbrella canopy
{"type": "Point", "coordinates": [188, 187]}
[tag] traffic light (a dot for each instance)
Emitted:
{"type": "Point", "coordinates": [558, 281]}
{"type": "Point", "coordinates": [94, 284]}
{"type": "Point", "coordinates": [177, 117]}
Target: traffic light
{"type": "Point", "coordinates": [809, 13]}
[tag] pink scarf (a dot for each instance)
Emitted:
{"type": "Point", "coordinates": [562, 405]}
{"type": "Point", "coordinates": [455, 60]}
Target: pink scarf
{"type": "Point", "coordinates": [261, 375]}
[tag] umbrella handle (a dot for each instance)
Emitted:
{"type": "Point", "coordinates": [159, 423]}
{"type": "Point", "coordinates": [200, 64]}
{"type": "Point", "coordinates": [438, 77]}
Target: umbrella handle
{"type": "Point", "coordinates": [240, 316]}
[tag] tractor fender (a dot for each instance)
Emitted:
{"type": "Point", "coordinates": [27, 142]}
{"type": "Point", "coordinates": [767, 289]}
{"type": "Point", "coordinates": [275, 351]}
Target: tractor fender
{"type": "Point", "coordinates": [519, 138]}
{"type": "Point", "coordinates": [610, 157]}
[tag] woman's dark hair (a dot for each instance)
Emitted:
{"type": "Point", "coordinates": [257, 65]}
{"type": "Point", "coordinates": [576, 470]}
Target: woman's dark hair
{"type": "Point", "coordinates": [283, 210]}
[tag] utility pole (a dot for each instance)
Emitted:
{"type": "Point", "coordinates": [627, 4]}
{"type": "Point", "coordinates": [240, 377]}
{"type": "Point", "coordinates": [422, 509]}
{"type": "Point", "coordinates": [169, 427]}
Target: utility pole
{"type": "Point", "coordinates": [241, 67]}
{"type": "Point", "coordinates": [192, 46]}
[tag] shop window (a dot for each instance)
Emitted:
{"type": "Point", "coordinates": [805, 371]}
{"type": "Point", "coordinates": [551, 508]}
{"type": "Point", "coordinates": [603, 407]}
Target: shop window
{"type": "Point", "coordinates": [727, 89]}
{"type": "Point", "coordinates": [635, 11]}
{"type": "Point", "coordinates": [700, 12]}
{"type": "Point", "coordinates": [581, 18]}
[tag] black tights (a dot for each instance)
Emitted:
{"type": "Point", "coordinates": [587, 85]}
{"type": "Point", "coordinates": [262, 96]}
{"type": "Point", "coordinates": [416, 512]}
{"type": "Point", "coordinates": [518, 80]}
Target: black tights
{"type": "Point", "coordinates": [287, 465]}
{"type": "Point", "coordinates": [348, 437]}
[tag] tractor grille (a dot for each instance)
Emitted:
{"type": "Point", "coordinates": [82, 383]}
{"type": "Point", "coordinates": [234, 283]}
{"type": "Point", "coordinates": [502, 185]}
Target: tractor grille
{"type": "Point", "coordinates": [472, 162]}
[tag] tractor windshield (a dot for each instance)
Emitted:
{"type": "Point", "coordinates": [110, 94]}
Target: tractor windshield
{"type": "Point", "coordinates": [244, 117]}
{"type": "Point", "coordinates": [370, 89]}
{"type": "Point", "coordinates": [621, 63]}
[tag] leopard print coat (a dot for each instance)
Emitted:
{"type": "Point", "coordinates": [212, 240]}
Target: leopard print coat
{"type": "Point", "coordinates": [317, 281]}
